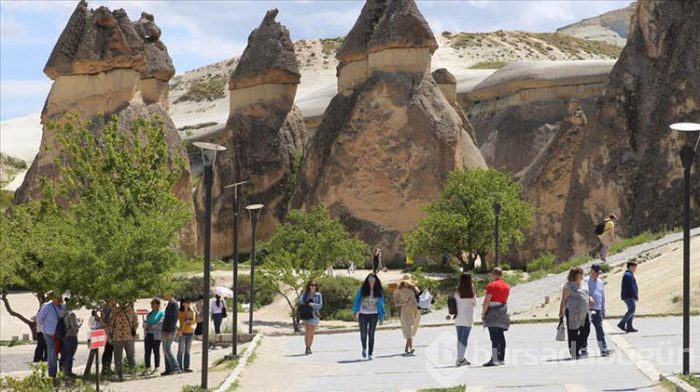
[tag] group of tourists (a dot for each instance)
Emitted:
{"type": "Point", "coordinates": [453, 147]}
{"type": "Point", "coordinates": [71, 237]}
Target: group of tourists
{"type": "Point", "coordinates": [58, 327]}
{"type": "Point", "coordinates": [582, 304]}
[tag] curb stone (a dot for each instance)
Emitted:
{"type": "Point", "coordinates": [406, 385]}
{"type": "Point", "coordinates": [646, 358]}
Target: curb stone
{"type": "Point", "coordinates": [681, 386]}
{"type": "Point", "coordinates": [242, 362]}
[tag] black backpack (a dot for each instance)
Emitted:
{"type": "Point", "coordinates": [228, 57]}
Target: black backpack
{"type": "Point", "coordinates": [600, 228]}
{"type": "Point", "coordinates": [452, 306]}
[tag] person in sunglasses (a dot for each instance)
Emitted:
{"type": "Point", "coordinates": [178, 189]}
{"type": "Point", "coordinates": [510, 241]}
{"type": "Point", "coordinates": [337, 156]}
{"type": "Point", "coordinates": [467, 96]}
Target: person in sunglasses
{"type": "Point", "coordinates": [311, 297]}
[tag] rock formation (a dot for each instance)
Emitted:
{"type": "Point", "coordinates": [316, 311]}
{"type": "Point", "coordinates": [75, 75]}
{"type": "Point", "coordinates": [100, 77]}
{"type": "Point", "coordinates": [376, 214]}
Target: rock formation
{"type": "Point", "coordinates": [389, 138]}
{"type": "Point", "coordinates": [447, 83]}
{"type": "Point", "coordinates": [265, 137]}
{"type": "Point", "coordinates": [103, 65]}
{"type": "Point", "coordinates": [516, 110]}
{"type": "Point", "coordinates": [624, 159]}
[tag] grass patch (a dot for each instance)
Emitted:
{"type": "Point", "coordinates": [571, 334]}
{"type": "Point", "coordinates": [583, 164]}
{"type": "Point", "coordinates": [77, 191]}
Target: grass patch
{"type": "Point", "coordinates": [331, 45]}
{"type": "Point", "coordinates": [577, 46]}
{"type": "Point", "coordinates": [458, 388]}
{"type": "Point", "coordinates": [489, 65]}
{"type": "Point", "coordinates": [6, 199]}
{"type": "Point", "coordinates": [13, 343]}
{"type": "Point", "coordinates": [225, 363]}
{"type": "Point", "coordinates": [636, 240]}
{"type": "Point", "coordinates": [197, 126]}
{"type": "Point", "coordinates": [691, 379]}
{"type": "Point", "coordinates": [208, 88]}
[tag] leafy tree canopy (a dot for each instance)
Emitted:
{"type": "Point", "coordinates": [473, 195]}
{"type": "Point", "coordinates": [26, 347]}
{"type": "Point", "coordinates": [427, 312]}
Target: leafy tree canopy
{"type": "Point", "coordinates": [461, 222]}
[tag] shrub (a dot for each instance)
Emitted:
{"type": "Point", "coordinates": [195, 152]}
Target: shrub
{"type": "Point", "coordinates": [544, 262]}
{"type": "Point", "coordinates": [190, 287]}
{"type": "Point", "coordinates": [265, 290]}
{"type": "Point", "coordinates": [205, 89]}
{"type": "Point", "coordinates": [39, 381]}
{"type": "Point", "coordinates": [338, 296]}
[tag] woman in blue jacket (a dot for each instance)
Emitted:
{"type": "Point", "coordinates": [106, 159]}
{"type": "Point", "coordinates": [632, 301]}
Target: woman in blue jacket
{"type": "Point", "coordinates": [369, 305]}
{"type": "Point", "coordinates": [312, 297]}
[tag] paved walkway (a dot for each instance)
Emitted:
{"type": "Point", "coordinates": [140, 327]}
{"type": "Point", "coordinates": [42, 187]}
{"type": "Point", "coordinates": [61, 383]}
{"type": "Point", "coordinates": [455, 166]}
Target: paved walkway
{"type": "Point", "coordinates": [535, 362]}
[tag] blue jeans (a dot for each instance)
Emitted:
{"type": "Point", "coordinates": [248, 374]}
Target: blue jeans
{"type": "Point", "coordinates": [462, 339]}
{"type": "Point", "coordinates": [183, 351]}
{"type": "Point", "coordinates": [626, 321]}
{"type": "Point", "coordinates": [597, 321]}
{"type": "Point", "coordinates": [51, 355]}
{"type": "Point", "coordinates": [68, 348]}
{"type": "Point", "coordinates": [171, 364]}
{"type": "Point", "coordinates": [218, 318]}
{"type": "Point", "coordinates": [368, 324]}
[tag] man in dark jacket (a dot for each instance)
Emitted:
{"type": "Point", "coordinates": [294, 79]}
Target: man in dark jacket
{"type": "Point", "coordinates": [169, 326]}
{"type": "Point", "coordinates": [630, 295]}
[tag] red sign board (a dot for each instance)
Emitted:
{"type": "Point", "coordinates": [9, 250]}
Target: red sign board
{"type": "Point", "coordinates": [98, 338]}
{"type": "Point", "coordinates": [142, 312]}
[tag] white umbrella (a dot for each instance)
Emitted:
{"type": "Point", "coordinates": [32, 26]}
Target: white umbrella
{"type": "Point", "coordinates": [224, 292]}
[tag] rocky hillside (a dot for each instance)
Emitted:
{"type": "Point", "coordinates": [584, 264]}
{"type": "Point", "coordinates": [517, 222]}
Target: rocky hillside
{"type": "Point", "coordinates": [611, 27]}
{"type": "Point", "coordinates": [199, 98]}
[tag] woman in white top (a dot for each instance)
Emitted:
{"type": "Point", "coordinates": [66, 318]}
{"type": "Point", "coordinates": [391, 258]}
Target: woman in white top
{"type": "Point", "coordinates": [218, 313]}
{"type": "Point", "coordinates": [466, 302]}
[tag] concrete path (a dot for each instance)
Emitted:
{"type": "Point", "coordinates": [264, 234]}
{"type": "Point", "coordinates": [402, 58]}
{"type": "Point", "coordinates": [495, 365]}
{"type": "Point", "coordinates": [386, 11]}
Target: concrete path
{"type": "Point", "coordinates": [535, 361]}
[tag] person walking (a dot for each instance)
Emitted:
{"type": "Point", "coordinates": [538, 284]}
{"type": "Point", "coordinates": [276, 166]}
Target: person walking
{"type": "Point", "coordinates": [607, 236]}
{"type": "Point", "coordinates": [70, 342]}
{"type": "Point", "coordinates": [312, 297]}
{"type": "Point", "coordinates": [574, 306]}
{"type": "Point", "coordinates": [377, 260]}
{"type": "Point", "coordinates": [153, 334]}
{"type": "Point", "coordinates": [596, 289]}
{"type": "Point", "coordinates": [48, 318]}
{"type": "Point", "coordinates": [187, 318]}
{"type": "Point", "coordinates": [105, 320]}
{"type": "Point", "coordinates": [405, 299]}
{"type": "Point", "coordinates": [368, 308]}
{"type": "Point", "coordinates": [630, 295]}
{"type": "Point", "coordinates": [465, 301]}
{"type": "Point", "coordinates": [494, 315]}
{"type": "Point", "coordinates": [169, 327]}
{"type": "Point", "coordinates": [40, 349]}
{"type": "Point", "coordinates": [123, 325]}
{"type": "Point", "coordinates": [218, 313]}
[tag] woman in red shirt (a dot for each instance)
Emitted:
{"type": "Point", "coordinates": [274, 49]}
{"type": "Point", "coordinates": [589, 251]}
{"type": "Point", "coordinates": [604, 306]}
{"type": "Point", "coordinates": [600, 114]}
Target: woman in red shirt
{"type": "Point", "coordinates": [495, 316]}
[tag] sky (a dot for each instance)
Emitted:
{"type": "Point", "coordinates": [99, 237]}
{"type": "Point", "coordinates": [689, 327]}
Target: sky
{"type": "Point", "coordinates": [198, 33]}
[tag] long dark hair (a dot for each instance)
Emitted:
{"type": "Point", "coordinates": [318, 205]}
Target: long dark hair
{"type": "Point", "coordinates": [377, 292]}
{"type": "Point", "coordinates": [465, 287]}
{"type": "Point", "coordinates": [218, 300]}
{"type": "Point", "coordinates": [307, 288]}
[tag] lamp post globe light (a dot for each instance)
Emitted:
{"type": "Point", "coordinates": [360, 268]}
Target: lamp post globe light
{"type": "Point", "coordinates": [687, 154]}
{"type": "Point", "coordinates": [234, 312]}
{"type": "Point", "coordinates": [209, 151]}
{"type": "Point", "coordinates": [497, 211]}
{"type": "Point", "coordinates": [253, 212]}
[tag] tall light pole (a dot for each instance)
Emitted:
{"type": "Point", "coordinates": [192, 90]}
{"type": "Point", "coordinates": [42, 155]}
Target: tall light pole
{"type": "Point", "coordinates": [497, 210]}
{"type": "Point", "coordinates": [253, 212]}
{"type": "Point", "coordinates": [236, 211]}
{"type": "Point", "coordinates": [209, 151]}
{"type": "Point", "coordinates": [687, 156]}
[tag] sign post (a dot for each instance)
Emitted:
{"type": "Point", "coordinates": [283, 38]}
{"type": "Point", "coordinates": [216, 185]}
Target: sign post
{"type": "Point", "coordinates": [98, 338]}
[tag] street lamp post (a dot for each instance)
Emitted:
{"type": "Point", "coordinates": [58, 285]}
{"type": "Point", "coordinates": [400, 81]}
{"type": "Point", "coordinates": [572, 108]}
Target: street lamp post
{"type": "Point", "coordinates": [209, 151]}
{"type": "Point", "coordinates": [687, 156]}
{"type": "Point", "coordinates": [497, 210]}
{"type": "Point", "coordinates": [236, 211]}
{"type": "Point", "coordinates": [253, 212]}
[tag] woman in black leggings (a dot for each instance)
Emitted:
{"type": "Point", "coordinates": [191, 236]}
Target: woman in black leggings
{"type": "Point", "coordinates": [369, 309]}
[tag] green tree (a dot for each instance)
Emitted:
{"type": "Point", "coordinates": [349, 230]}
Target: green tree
{"type": "Point", "coordinates": [303, 248]}
{"type": "Point", "coordinates": [109, 230]}
{"type": "Point", "coordinates": [125, 219]}
{"type": "Point", "coordinates": [461, 222]}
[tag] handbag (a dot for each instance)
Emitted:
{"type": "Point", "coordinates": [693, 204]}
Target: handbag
{"type": "Point", "coordinates": [452, 306]}
{"type": "Point", "coordinates": [223, 312]}
{"type": "Point", "coordinates": [305, 312]}
{"type": "Point", "coordinates": [561, 331]}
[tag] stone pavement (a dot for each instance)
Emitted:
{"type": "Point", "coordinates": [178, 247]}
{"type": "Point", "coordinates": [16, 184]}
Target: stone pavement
{"type": "Point", "coordinates": [535, 361]}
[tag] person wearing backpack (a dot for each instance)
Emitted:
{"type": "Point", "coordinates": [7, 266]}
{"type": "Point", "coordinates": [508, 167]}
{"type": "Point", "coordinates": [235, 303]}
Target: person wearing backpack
{"type": "Point", "coordinates": [368, 308]}
{"type": "Point", "coordinates": [123, 325]}
{"type": "Point", "coordinates": [48, 318]}
{"type": "Point", "coordinates": [461, 307]}
{"type": "Point", "coordinates": [406, 299]}
{"type": "Point", "coordinates": [605, 231]}
{"type": "Point", "coordinates": [313, 300]}
{"type": "Point", "coordinates": [70, 341]}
